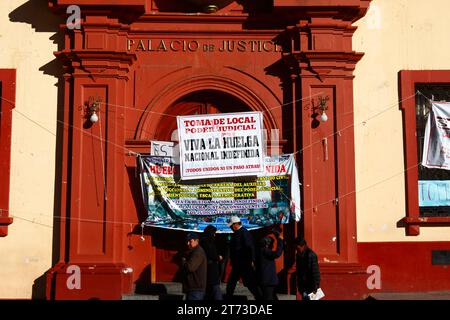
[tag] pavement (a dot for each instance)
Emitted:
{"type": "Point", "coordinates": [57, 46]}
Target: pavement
{"type": "Point", "coordinates": [434, 295]}
{"type": "Point", "coordinates": [172, 291]}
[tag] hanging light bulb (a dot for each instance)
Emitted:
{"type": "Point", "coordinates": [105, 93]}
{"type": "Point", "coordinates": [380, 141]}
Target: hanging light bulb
{"type": "Point", "coordinates": [93, 108]}
{"type": "Point", "coordinates": [322, 105]}
{"type": "Point", "coordinates": [211, 8]}
{"type": "Point", "coordinates": [94, 117]}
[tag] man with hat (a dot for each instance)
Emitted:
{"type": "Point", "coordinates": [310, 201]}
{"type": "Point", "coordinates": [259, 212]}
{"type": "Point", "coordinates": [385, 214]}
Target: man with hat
{"type": "Point", "coordinates": [242, 258]}
{"type": "Point", "coordinates": [194, 269]}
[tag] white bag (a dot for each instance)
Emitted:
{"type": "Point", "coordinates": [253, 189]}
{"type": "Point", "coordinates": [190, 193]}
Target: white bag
{"type": "Point", "coordinates": [316, 296]}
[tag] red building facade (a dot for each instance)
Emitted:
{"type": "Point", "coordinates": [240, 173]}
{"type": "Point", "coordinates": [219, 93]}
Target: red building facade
{"type": "Point", "coordinates": [148, 61]}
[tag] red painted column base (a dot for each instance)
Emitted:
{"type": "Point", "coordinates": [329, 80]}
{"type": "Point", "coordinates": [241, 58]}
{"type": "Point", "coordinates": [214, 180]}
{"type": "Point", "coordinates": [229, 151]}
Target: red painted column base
{"type": "Point", "coordinates": [102, 281]}
{"type": "Point", "coordinates": [343, 281]}
{"type": "Point", "coordinates": [4, 223]}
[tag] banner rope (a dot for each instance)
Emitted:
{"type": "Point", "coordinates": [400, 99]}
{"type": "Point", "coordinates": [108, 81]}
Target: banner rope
{"type": "Point", "coordinates": [130, 152]}
{"type": "Point", "coordinates": [103, 161]}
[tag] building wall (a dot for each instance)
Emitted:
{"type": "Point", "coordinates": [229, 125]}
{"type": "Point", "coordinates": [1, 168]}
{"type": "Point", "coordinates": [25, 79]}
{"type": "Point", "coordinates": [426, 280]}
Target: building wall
{"type": "Point", "coordinates": [406, 266]}
{"type": "Point", "coordinates": [394, 35]}
{"type": "Point", "coordinates": [26, 253]}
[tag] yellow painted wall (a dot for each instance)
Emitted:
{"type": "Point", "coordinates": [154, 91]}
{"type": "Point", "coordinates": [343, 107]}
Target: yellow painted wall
{"type": "Point", "coordinates": [394, 35]}
{"type": "Point", "coordinates": [26, 253]}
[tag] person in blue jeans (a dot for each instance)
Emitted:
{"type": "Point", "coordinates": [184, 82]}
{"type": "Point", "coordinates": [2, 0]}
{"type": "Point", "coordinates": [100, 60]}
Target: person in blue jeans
{"type": "Point", "coordinates": [194, 267]}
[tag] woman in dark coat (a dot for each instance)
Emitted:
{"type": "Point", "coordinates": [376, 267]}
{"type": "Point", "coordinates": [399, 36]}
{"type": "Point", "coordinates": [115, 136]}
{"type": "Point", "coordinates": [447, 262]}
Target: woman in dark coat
{"type": "Point", "coordinates": [213, 268]}
{"type": "Point", "coordinates": [265, 266]}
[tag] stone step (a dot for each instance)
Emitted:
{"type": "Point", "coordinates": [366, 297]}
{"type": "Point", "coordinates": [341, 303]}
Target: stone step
{"type": "Point", "coordinates": [435, 295]}
{"type": "Point", "coordinates": [173, 291]}
{"type": "Point", "coordinates": [182, 297]}
{"type": "Point", "coordinates": [176, 288]}
{"type": "Point", "coordinates": [287, 297]}
{"type": "Point", "coordinates": [139, 297]}
{"type": "Point", "coordinates": [152, 297]}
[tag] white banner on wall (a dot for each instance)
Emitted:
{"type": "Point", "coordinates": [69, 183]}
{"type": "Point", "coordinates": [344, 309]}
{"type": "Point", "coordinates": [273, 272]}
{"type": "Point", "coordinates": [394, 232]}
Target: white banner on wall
{"type": "Point", "coordinates": [436, 148]}
{"type": "Point", "coordinates": [273, 197]}
{"type": "Point", "coordinates": [221, 145]}
{"type": "Point", "coordinates": [161, 148]}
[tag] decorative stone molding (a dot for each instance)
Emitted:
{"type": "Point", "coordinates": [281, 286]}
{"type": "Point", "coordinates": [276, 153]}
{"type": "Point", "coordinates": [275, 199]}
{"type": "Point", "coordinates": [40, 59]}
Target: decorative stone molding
{"type": "Point", "coordinates": [97, 63]}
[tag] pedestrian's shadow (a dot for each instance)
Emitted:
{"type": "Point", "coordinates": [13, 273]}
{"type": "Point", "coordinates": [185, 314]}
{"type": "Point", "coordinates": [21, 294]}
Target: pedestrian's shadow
{"type": "Point", "coordinates": [143, 284]}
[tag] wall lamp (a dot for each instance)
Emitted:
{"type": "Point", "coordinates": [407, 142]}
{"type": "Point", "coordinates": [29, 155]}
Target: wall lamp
{"type": "Point", "coordinates": [93, 108]}
{"type": "Point", "coordinates": [208, 6]}
{"type": "Point", "coordinates": [322, 107]}
{"type": "Point", "coordinates": [211, 8]}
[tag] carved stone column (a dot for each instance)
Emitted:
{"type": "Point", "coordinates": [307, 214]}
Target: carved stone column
{"type": "Point", "coordinates": [322, 58]}
{"type": "Point", "coordinates": [92, 220]}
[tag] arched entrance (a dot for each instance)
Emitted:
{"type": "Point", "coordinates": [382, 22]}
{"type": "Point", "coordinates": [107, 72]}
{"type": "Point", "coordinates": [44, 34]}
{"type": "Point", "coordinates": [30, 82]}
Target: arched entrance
{"type": "Point", "coordinates": [202, 102]}
{"type": "Point", "coordinates": [169, 244]}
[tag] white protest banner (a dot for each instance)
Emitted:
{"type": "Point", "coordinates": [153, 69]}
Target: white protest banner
{"type": "Point", "coordinates": [161, 148]}
{"type": "Point", "coordinates": [221, 145]}
{"type": "Point", "coordinates": [436, 148]}
{"type": "Point", "coordinates": [272, 197]}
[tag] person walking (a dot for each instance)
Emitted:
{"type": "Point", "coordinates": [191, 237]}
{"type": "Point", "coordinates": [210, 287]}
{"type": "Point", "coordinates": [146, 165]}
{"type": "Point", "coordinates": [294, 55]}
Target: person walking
{"type": "Point", "coordinates": [194, 267]}
{"type": "Point", "coordinates": [265, 265]}
{"type": "Point", "coordinates": [308, 273]}
{"type": "Point", "coordinates": [242, 259]}
{"type": "Point", "coordinates": [208, 243]}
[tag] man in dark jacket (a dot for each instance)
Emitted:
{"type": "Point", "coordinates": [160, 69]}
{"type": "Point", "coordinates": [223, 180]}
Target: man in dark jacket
{"type": "Point", "coordinates": [265, 266]}
{"type": "Point", "coordinates": [242, 259]}
{"type": "Point", "coordinates": [308, 274]}
{"type": "Point", "coordinates": [208, 244]}
{"type": "Point", "coordinates": [194, 269]}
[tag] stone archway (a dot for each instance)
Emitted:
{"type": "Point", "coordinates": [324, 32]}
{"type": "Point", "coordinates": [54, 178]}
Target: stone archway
{"type": "Point", "coordinates": [182, 94]}
{"type": "Point", "coordinates": [166, 243]}
{"type": "Point", "coordinates": [200, 102]}
{"type": "Point", "coordinates": [245, 91]}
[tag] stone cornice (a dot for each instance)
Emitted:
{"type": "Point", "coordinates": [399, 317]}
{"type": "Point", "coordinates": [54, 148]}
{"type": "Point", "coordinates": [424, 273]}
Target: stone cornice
{"type": "Point", "coordinates": [126, 10]}
{"type": "Point", "coordinates": [99, 63]}
{"type": "Point", "coordinates": [135, 5]}
{"type": "Point", "coordinates": [350, 10]}
{"type": "Point", "coordinates": [323, 63]}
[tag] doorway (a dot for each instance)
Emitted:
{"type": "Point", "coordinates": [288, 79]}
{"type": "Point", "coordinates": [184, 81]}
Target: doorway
{"type": "Point", "coordinates": [169, 244]}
